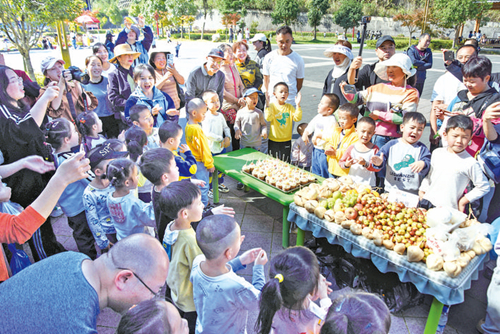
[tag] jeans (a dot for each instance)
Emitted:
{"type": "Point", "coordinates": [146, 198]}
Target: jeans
{"type": "Point", "coordinates": [319, 164]}
{"type": "Point", "coordinates": [203, 174]}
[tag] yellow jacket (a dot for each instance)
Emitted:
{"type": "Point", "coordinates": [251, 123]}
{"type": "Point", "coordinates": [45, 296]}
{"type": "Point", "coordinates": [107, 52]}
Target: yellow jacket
{"type": "Point", "coordinates": [334, 141]}
{"type": "Point", "coordinates": [198, 143]}
{"type": "Point", "coordinates": [280, 118]}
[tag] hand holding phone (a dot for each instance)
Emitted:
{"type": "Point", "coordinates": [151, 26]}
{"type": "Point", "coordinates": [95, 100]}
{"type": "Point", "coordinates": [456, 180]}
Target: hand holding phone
{"type": "Point", "coordinates": [350, 89]}
{"type": "Point", "coordinates": [449, 55]}
{"type": "Point", "coordinates": [170, 60]}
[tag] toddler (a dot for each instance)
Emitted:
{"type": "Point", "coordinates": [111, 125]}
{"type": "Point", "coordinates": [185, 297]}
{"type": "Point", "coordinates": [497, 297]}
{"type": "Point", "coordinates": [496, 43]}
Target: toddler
{"type": "Point", "coordinates": [141, 116]}
{"type": "Point", "coordinates": [90, 125]}
{"type": "Point", "coordinates": [221, 297]}
{"type": "Point", "coordinates": [286, 303]}
{"type": "Point", "coordinates": [129, 214]}
{"type": "Point", "coordinates": [280, 115]}
{"type": "Point", "coordinates": [302, 152]}
{"type": "Point", "coordinates": [170, 138]}
{"type": "Point", "coordinates": [250, 124]}
{"type": "Point", "coordinates": [357, 157]}
{"type": "Point", "coordinates": [136, 140]}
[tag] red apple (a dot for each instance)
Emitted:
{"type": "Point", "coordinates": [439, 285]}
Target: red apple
{"type": "Point", "coordinates": [350, 213]}
{"type": "Point", "coordinates": [358, 207]}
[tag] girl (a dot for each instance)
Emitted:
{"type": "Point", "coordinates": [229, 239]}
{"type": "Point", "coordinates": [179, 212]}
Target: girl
{"type": "Point", "coordinates": [102, 52]}
{"type": "Point", "coordinates": [286, 301]}
{"type": "Point", "coordinates": [90, 125]}
{"type": "Point", "coordinates": [129, 214]}
{"type": "Point", "coordinates": [136, 140]}
{"type": "Point", "coordinates": [62, 135]}
{"type": "Point", "coordinates": [161, 105]}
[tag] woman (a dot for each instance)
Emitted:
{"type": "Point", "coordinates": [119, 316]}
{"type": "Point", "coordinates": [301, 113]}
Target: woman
{"type": "Point", "coordinates": [342, 57]}
{"type": "Point", "coordinates": [168, 78]}
{"type": "Point", "coordinates": [249, 70]}
{"type": "Point", "coordinates": [119, 81]}
{"type": "Point", "coordinates": [21, 136]}
{"type": "Point", "coordinates": [98, 85]}
{"type": "Point", "coordinates": [101, 51]}
{"type": "Point", "coordinates": [110, 46]}
{"type": "Point", "coordinates": [130, 35]}
{"type": "Point", "coordinates": [262, 45]}
{"type": "Point", "coordinates": [61, 106]}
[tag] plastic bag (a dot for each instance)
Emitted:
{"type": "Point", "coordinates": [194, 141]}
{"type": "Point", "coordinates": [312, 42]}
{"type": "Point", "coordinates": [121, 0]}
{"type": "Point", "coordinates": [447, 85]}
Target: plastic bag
{"type": "Point", "coordinates": [464, 238]}
{"type": "Point", "coordinates": [19, 261]}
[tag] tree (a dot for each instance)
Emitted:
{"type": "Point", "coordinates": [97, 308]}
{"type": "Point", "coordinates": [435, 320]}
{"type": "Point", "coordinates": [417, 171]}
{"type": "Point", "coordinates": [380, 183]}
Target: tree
{"type": "Point", "coordinates": [285, 12]}
{"type": "Point", "coordinates": [207, 8]}
{"type": "Point", "coordinates": [452, 13]}
{"type": "Point", "coordinates": [23, 22]}
{"type": "Point", "coordinates": [115, 16]}
{"type": "Point", "coordinates": [349, 14]}
{"type": "Point", "coordinates": [411, 20]}
{"type": "Point", "coordinates": [316, 10]}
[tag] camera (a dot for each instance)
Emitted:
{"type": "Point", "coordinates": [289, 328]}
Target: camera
{"type": "Point", "coordinates": [76, 73]}
{"type": "Point", "coordinates": [366, 19]}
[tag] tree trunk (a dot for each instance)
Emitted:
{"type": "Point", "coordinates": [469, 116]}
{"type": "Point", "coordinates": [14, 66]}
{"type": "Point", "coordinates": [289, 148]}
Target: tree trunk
{"type": "Point", "coordinates": [314, 33]}
{"type": "Point", "coordinates": [202, 29]}
{"type": "Point", "coordinates": [409, 39]}
{"type": "Point", "coordinates": [457, 28]}
{"type": "Point", "coordinates": [27, 63]}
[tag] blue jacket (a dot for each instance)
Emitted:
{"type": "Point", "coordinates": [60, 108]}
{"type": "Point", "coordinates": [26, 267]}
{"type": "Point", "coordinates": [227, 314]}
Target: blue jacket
{"type": "Point", "coordinates": [141, 46]}
{"type": "Point", "coordinates": [159, 97]}
{"type": "Point", "coordinates": [421, 63]}
{"type": "Point", "coordinates": [71, 200]}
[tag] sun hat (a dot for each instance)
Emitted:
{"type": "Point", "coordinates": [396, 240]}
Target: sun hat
{"type": "Point", "coordinates": [383, 39]}
{"type": "Point", "coordinates": [258, 37]}
{"type": "Point", "coordinates": [123, 49]}
{"type": "Point", "coordinates": [218, 53]}
{"type": "Point", "coordinates": [153, 54]}
{"type": "Point", "coordinates": [338, 49]}
{"type": "Point", "coordinates": [49, 62]}
{"type": "Point", "coordinates": [400, 60]}
{"type": "Point", "coordinates": [250, 91]}
{"type": "Point", "coordinates": [104, 152]}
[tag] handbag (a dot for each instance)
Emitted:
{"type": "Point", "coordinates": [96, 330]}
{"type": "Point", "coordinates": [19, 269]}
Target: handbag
{"type": "Point", "coordinates": [489, 159]}
{"type": "Point", "coordinates": [180, 93]}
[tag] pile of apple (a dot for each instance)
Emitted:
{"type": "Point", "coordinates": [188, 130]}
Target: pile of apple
{"type": "Point", "coordinates": [363, 211]}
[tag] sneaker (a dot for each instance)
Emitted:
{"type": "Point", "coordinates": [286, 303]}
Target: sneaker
{"type": "Point", "coordinates": [223, 188]}
{"type": "Point", "coordinates": [210, 194]}
{"type": "Point", "coordinates": [479, 326]}
{"type": "Point", "coordinates": [240, 186]}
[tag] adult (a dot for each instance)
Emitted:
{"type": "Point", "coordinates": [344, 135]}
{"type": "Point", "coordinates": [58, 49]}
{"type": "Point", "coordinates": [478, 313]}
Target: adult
{"type": "Point", "coordinates": [62, 106]}
{"type": "Point", "coordinates": [98, 86]}
{"type": "Point", "coordinates": [283, 65]}
{"type": "Point", "coordinates": [168, 78]}
{"type": "Point", "coordinates": [231, 34]}
{"type": "Point", "coordinates": [421, 57]}
{"type": "Point", "coordinates": [207, 76]}
{"type": "Point", "coordinates": [342, 57]}
{"type": "Point", "coordinates": [249, 70]}
{"type": "Point", "coordinates": [110, 46]}
{"type": "Point", "coordinates": [19, 228]}
{"type": "Point", "coordinates": [130, 35]}
{"type": "Point", "coordinates": [101, 51]}
{"type": "Point", "coordinates": [31, 88]}
{"type": "Point", "coordinates": [262, 45]}
{"type": "Point", "coordinates": [121, 82]}
{"type": "Point", "coordinates": [20, 137]}
{"type": "Point", "coordinates": [77, 288]}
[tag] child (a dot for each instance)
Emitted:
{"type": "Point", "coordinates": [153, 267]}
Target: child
{"type": "Point", "coordinates": [170, 134]}
{"type": "Point", "coordinates": [280, 115]}
{"type": "Point", "coordinates": [357, 312]}
{"type": "Point", "coordinates": [357, 157]}
{"type": "Point", "coordinates": [250, 124]}
{"type": "Point", "coordinates": [161, 105]}
{"type": "Point", "coordinates": [221, 297]}
{"type": "Point", "coordinates": [405, 161]}
{"type": "Point", "coordinates": [62, 135]}
{"type": "Point", "coordinates": [141, 116]}
{"type": "Point", "coordinates": [90, 125]}
{"type": "Point", "coordinates": [302, 152]}
{"type": "Point", "coordinates": [452, 168]}
{"type": "Point", "coordinates": [320, 126]}
{"type": "Point", "coordinates": [136, 140]}
{"type": "Point", "coordinates": [129, 214]}
{"type": "Point", "coordinates": [215, 128]}
{"type": "Point", "coordinates": [181, 200]}
{"type": "Point", "coordinates": [286, 303]}
{"type": "Point", "coordinates": [198, 143]}
{"type": "Point", "coordinates": [342, 137]}
{"type": "Point", "coordinates": [96, 194]}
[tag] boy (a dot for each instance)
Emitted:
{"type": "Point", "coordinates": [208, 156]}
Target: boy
{"type": "Point", "coordinates": [198, 143]}
{"type": "Point", "coordinates": [405, 161]}
{"type": "Point", "coordinates": [215, 128]}
{"type": "Point", "coordinates": [141, 116]}
{"type": "Point", "coordinates": [302, 152]}
{"type": "Point", "coordinates": [322, 123]}
{"type": "Point", "coordinates": [280, 115]}
{"type": "Point", "coordinates": [452, 168]}
{"type": "Point", "coordinates": [342, 137]}
{"type": "Point", "coordinates": [181, 200]}
{"type": "Point", "coordinates": [170, 134]}
{"type": "Point", "coordinates": [357, 157]}
{"type": "Point", "coordinates": [221, 297]}
{"type": "Point", "coordinates": [250, 124]}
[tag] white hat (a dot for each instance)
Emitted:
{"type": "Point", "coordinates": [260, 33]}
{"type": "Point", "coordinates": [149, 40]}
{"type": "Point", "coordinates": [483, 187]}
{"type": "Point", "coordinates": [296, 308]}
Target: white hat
{"type": "Point", "coordinates": [400, 60]}
{"type": "Point", "coordinates": [338, 49]}
{"type": "Point", "coordinates": [49, 62]}
{"type": "Point", "coordinates": [258, 37]}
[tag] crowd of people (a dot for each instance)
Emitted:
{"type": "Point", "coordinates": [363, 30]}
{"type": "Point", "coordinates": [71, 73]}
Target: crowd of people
{"type": "Point", "coordinates": [128, 184]}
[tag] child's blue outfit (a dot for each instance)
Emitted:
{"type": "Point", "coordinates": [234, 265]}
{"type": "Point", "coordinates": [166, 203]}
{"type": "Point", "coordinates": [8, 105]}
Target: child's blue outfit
{"type": "Point", "coordinates": [91, 142]}
{"type": "Point", "coordinates": [130, 215]}
{"type": "Point", "coordinates": [97, 212]}
{"type": "Point", "coordinates": [223, 302]}
{"type": "Point", "coordinates": [323, 125]}
{"type": "Point", "coordinates": [159, 98]}
{"type": "Point", "coordinates": [187, 166]}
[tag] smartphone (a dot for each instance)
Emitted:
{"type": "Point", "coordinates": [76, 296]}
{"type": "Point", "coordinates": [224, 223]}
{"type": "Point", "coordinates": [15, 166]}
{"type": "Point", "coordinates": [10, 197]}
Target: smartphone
{"type": "Point", "coordinates": [449, 55]}
{"type": "Point", "coordinates": [350, 89]}
{"type": "Point", "coordinates": [170, 60]}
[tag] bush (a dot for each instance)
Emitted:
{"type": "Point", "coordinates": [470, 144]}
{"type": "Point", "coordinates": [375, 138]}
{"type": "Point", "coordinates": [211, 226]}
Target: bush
{"type": "Point", "coordinates": [402, 44]}
{"type": "Point", "coordinates": [253, 27]}
{"type": "Point", "coordinates": [221, 31]}
{"type": "Point", "coordinates": [195, 36]}
{"type": "Point", "coordinates": [438, 44]}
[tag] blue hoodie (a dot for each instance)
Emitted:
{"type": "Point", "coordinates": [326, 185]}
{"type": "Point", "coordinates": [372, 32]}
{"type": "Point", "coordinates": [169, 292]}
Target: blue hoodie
{"type": "Point", "coordinates": [141, 46]}
{"type": "Point", "coordinates": [159, 97]}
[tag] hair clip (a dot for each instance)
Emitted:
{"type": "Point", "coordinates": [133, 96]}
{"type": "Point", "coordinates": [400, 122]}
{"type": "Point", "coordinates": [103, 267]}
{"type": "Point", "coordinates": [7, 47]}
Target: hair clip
{"type": "Point", "coordinates": [82, 121]}
{"type": "Point", "coordinates": [279, 277]}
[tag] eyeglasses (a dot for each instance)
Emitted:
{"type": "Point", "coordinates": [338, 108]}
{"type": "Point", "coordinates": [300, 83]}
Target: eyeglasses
{"type": "Point", "coordinates": [155, 294]}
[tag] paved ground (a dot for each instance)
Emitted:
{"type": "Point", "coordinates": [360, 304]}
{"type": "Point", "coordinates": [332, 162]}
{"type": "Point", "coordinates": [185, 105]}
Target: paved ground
{"type": "Point", "coordinates": [260, 218]}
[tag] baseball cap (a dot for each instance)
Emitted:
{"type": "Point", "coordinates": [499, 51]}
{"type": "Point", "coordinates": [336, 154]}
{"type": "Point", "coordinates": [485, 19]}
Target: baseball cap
{"type": "Point", "coordinates": [216, 53]}
{"type": "Point", "coordinates": [103, 152]}
{"type": "Point", "coordinates": [250, 91]}
{"type": "Point", "coordinates": [258, 37]}
{"type": "Point", "coordinates": [383, 39]}
{"type": "Point", "coordinates": [49, 62]}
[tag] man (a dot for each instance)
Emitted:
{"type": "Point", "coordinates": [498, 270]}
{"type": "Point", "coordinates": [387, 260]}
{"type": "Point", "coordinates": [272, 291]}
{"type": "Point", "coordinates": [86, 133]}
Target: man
{"type": "Point", "coordinates": [207, 76]}
{"type": "Point", "coordinates": [385, 49]}
{"type": "Point", "coordinates": [283, 65]}
{"type": "Point", "coordinates": [66, 292]}
{"type": "Point", "coordinates": [130, 35]}
{"type": "Point", "coordinates": [421, 57]}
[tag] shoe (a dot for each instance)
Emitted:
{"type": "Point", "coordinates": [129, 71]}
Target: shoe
{"type": "Point", "coordinates": [223, 188]}
{"type": "Point", "coordinates": [479, 326]}
{"type": "Point", "coordinates": [210, 194]}
{"type": "Point", "coordinates": [240, 186]}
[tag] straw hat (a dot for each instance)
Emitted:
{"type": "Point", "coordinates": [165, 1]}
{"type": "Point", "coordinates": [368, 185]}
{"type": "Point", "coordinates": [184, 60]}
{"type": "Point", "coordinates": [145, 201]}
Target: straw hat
{"type": "Point", "coordinates": [400, 60]}
{"type": "Point", "coordinates": [123, 49]}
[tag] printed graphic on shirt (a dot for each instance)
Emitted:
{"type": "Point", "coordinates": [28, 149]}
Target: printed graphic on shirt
{"type": "Point", "coordinates": [284, 117]}
{"type": "Point", "coordinates": [117, 213]}
{"type": "Point", "coordinates": [406, 162]}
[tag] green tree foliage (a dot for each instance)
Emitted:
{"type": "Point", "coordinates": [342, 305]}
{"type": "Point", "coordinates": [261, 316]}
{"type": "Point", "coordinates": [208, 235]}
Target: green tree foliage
{"type": "Point", "coordinates": [316, 10]}
{"type": "Point", "coordinates": [115, 16]}
{"type": "Point", "coordinates": [349, 14]}
{"type": "Point", "coordinates": [285, 12]}
{"type": "Point", "coordinates": [24, 20]}
{"type": "Point", "coordinates": [232, 6]}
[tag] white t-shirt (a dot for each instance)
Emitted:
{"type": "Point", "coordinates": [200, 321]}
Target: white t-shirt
{"type": "Point", "coordinates": [215, 127]}
{"type": "Point", "coordinates": [287, 68]}
{"type": "Point", "coordinates": [446, 88]}
{"type": "Point", "coordinates": [323, 125]}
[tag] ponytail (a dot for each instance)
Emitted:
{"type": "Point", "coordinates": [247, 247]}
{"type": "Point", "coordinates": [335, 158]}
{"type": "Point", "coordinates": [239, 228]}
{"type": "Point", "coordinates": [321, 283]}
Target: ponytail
{"type": "Point", "coordinates": [84, 123]}
{"type": "Point", "coordinates": [56, 131]}
{"type": "Point", "coordinates": [119, 171]}
{"type": "Point", "coordinates": [267, 45]}
{"type": "Point", "coordinates": [136, 139]}
{"type": "Point", "coordinates": [270, 303]}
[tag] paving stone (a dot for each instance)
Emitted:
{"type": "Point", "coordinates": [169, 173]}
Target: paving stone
{"type": "Point", "coordinates": [257, 223]}
{"type": "Point", "coordinates": [398, 325]}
